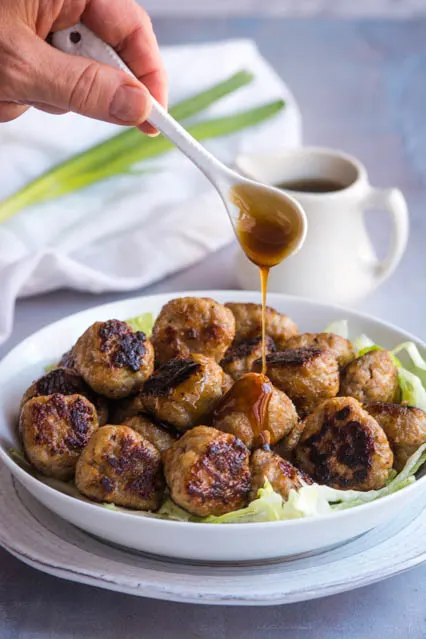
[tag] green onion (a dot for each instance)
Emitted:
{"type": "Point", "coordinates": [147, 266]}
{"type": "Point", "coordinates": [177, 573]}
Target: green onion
{"type": "Point", "coordinates": [117, 154]}
{"type": "Point", "coordinates": [149, 149]}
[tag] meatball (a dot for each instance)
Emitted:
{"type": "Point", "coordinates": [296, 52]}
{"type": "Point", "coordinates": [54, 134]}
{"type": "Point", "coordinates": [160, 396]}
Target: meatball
{"type": "Point", "coordinates": [248, 322]}
{"type": "Point", "coordinates": [55, 429]}
{"type": "Point", "coordinates": [184, 391]}
{"type": "Point", "coordinates": [113, 359]}
{"type": "Point", "coordinates": [287, 445]}
{"type": "Point", "coordinates": [342, 349]}
{"type": "Point", "coordinates": [307, 375]}
{"type": "Point", "coordinates": [344, 447]}
{"type": "Point", "coordinates": [68, 360]}
{"type": "Point", "coordinates": [373, 377]}
{"type": "Point", "coordinates": [67, 382]}
{"type": "Point", "coordinates": [122, 409]}
{"type": "Point", "coordinates": [254, 410]}
{"type": "Point", "coordinates": [207, 472]}
{"type": "Point", "coordinates": [405, 428]}
{"type": "Point", "coordinates": [188, 325]}
{"type": "Point", "coordinates": [119, 466]}
{"type": "Point", "coordinates": [282, 475]}
{"type": "Point", "coordinates": [240, 355]}
{"type": "Point", "coordinates": [158, 434]}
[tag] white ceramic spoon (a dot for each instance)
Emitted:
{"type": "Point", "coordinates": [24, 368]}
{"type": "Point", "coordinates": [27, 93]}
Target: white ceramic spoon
{"type": "Point", "coordinates": [79, 40]}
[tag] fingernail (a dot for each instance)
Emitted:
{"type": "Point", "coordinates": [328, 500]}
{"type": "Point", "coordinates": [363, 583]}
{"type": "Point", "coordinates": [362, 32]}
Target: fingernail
{"type": "Point", "coordinates": [128, 104]}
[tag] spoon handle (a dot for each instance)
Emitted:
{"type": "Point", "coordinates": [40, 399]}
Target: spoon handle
{"type": "Point", "coordinates": [79, 40]}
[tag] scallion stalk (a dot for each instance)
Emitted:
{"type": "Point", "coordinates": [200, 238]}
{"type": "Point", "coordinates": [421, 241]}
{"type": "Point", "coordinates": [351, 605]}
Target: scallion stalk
{"type": "Point", "coordinates": [118, 154]}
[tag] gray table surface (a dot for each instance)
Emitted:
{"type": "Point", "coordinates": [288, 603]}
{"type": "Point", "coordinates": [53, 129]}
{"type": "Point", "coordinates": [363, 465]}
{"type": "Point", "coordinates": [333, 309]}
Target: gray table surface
{"type": "Point", "coordinates": [362, 88]}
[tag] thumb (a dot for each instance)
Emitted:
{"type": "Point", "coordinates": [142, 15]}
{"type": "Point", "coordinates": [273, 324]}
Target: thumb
{"type": "Point", "coordinates": [78, 84]}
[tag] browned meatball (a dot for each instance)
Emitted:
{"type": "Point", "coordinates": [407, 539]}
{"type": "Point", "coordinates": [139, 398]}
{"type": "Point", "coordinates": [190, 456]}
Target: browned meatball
{"type": "Point", "coordinates": [344, 447]}
{"type": "Point", "coordinates": [254, 410]}
{"type": "Point", "coordinates": [405, 428]}
{"type": "Point", "coordinates": [307, 375]}
{"type": "Point", "coordinates": [55, 429]}
{"type": "Point", "coordinates": [188, 325]}
{"type": "Point", "coordinates": [240, 355]}
{"type": "Point", "coordinates": [67, 382]}
{"type": "Point", "coordinates": [119, 466]}
{"type": "Point", "coordinates": [287, 445]}
{"type": "Point", "coordinates": [122, 409]}
{"type": "Point", "coordinates": [158, 434]}
{"type": "Point", "coordinates": [184, 391]}
{"type": "Point", "coordinates": [373, 377]}
{"type": "Point", "coordinates": [113, 359]}
{"type": "Point", "coordinates": [207, 472]}
{"type": "Point", "coordinates": [248, 319]}
{"type": "Point", "coordinates": [68, 360]}
{"type": "Point", "coordinates": [282, 475]}
{"type": "Point", "coordinates": [342, 349]}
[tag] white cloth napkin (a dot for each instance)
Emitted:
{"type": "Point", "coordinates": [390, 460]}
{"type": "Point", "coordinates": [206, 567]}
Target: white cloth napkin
{"type": "Point", "coordinates": [132, 230]}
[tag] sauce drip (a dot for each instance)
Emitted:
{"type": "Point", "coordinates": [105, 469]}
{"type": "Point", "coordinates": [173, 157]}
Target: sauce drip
{"type": "Point", "coordinates": [264, 275]}
{"type": "Point", "coordinates": [268, 232]}
{"type": "Point", "coordinates": [249, 395]}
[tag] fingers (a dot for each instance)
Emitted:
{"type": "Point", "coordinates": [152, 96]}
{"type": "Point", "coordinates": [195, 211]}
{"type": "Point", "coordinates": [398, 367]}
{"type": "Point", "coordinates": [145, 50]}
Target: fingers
{"type": "Point", "coordinates": [10, 111]}
{"type": "Point", "coordinates": [128, 29]}
{"type": "Point", "coordinates": [56, 80]}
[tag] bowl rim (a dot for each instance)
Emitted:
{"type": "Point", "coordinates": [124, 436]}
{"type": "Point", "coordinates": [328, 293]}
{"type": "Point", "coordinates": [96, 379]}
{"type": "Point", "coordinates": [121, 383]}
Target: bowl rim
{"type": "Point", "coordinates": [94, 507]}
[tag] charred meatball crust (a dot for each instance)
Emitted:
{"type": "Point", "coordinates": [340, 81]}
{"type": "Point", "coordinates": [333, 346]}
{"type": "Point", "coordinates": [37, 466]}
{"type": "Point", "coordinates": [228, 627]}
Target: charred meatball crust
{"type": "Point", "coordinates": [248, 322]}
{"type": "Point", "coordinates": [160, 435]}
{"type": "Point", "coordinates": [67, 382]}
{"type": "Point", "coordinates": [282, 475]}
{"type": "Point", "coordinates": [207, 472]}
{"type": "Point", "coordinates": [342, 349]}
{"type": "Point", "coordinates": [68, 360]}
{"type": "Point", "coordinates": [240, 356]}
{"type": "Point", "coordinates": [253, 408]}
{"type": "Point", "coordinates": [373, 377]}
{"type": "Point", "coordinates": [55, 429]}
{"type": "Point", "coordinates": [307, 375]}
{"type": "Point", "coordinates": [113, 359]}
{"type": "Point", "coordinates": [119, 466]}
{"type": "Point", "coordinates": [344, 447]}
{"type": "Point", "coordinates": [405, 428]}
{"type": "Point", "coordinates": [184, 391]}
{"type": "Point", "coordinates": [188, 325]}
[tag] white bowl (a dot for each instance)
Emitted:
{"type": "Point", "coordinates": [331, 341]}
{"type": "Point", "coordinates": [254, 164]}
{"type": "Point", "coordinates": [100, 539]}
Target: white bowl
{"type": "Point", "coordinates": [219, 542]}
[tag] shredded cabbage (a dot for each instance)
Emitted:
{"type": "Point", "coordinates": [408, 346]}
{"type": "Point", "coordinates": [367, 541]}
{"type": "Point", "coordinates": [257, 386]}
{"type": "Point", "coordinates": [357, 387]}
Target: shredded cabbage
{"type": "Point", "coordinates": [268, 506]}
{"type": "Point", "coordinates": [340, 327]}
{"type": "Point", "coordinates": [308, 501]}
{"type": "Point", "coordinates": [143, 323]}
{"type": "Point", "coordinates": [413, 393]}
{"type": "Point", "coordinates": [361, 343]}
{"type": "Point", "coordinates": [170, 510]}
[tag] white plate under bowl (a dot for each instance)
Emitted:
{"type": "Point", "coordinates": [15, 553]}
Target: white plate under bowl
{"type": "Point", "coordinates": [242, 542]}
{"type": "Point", "coordinates": [43, 540]}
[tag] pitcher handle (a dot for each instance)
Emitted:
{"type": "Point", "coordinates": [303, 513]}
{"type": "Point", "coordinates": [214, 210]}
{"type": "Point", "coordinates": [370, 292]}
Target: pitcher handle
{"type": "Point", "coordinates": [392, 201]}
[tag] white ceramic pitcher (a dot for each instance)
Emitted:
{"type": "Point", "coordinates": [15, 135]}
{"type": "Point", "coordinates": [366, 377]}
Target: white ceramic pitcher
{"type": "Point", "coordinates": [337, 262]}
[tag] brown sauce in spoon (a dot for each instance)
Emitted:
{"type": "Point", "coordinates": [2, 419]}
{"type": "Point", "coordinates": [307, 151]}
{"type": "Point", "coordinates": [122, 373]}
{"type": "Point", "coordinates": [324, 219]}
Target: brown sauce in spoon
{"type": "Point", "coordinates": [268, 232]}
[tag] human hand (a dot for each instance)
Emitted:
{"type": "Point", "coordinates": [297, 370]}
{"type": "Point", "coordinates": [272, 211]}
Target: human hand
{"type": "Point", "coordinates": [33, 73]}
